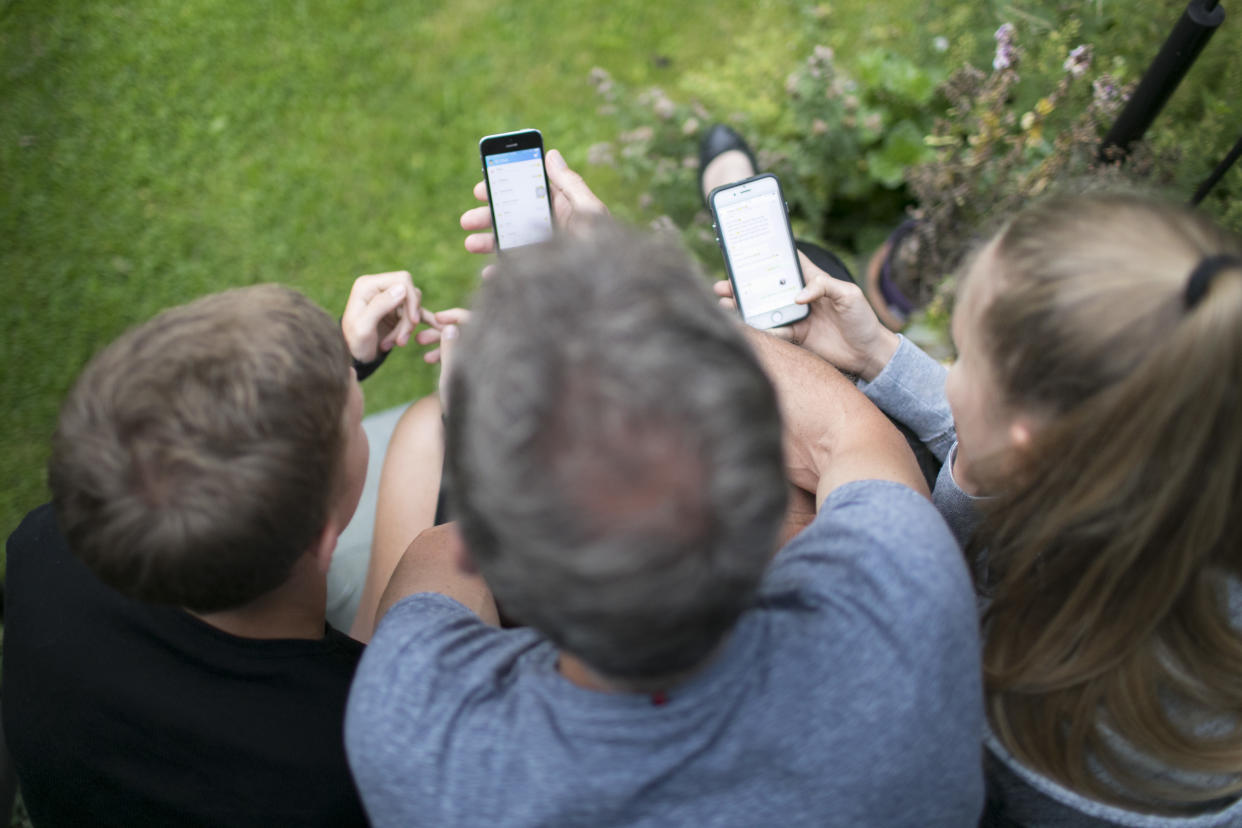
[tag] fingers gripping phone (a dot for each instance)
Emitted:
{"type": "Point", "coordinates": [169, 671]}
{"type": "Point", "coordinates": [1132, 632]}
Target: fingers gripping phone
{"type": "Point", "coordinates": [753, 230]}
{"type": "Point", "coordinates": [517, 188]}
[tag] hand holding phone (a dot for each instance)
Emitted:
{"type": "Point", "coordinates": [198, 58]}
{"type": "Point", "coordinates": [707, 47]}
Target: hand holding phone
{"type": "Point", "coordinates": [753, 230]}
{"type": "Point", "coordinates": [517, 188]}
{"type": "Point", "coordinates": [573, 206]}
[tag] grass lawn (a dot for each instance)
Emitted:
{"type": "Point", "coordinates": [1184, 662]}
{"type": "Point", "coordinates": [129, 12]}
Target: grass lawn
{"type": "Point", "coordinates": [155, 150]}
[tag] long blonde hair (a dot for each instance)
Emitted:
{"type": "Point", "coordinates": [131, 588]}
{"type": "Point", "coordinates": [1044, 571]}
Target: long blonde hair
{"type": "Point", "coordinates": [1113, 548]}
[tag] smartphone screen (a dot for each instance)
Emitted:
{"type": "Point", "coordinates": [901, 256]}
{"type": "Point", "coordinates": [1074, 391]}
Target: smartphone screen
{"type": "Point", "coordinates": [517, 188]}
{"type": "Point", "coordinates": [759, 252]}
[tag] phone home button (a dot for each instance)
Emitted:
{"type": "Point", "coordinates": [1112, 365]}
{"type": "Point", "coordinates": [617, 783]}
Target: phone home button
{"type": "Point", "coordinates": [777, 316]}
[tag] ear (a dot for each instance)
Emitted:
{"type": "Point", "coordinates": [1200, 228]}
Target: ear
{"type": "Point", "coordinates": [325, 545]}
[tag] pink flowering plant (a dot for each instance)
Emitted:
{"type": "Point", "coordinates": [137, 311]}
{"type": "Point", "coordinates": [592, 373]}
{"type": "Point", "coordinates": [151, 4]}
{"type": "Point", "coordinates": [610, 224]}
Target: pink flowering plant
{"type": "Point", "coordinates": [1000, 144]}
{"type": "Point", "coordinates": [849, 137]}
{"type": "Point", "coordinates": [657, 144]}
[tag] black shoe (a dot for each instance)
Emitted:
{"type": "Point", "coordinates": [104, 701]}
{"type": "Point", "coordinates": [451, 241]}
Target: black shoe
{"type": "Point", "coordinates": [718, 139]}
{"type": "Point", "coordinates": [825, 260]}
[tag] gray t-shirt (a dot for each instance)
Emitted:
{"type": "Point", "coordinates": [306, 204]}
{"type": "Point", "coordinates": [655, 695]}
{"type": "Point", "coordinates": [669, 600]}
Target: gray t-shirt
{"type": "Point", "coordinates": [849, 694]}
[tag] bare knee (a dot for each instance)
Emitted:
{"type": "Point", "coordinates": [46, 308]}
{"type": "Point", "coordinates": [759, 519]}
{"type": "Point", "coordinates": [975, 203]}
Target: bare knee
{"type": "Point", "coordinates": [420, 429]}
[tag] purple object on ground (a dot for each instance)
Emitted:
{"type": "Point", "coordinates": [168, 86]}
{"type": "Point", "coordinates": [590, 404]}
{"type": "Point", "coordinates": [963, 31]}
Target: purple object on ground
{"type": "Point", "coordinates": [892, 294]}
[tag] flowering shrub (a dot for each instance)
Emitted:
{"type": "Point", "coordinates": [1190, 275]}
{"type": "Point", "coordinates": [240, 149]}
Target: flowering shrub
{"type": "Point", "coordinates": [850, 138]}
{"type": "Point", "coordinates": [860, 143]}
{"type": "Point", "coordinates": [990, 158]}
{"type": "Point", "coordinates": [657, 145]}
{"type": "Point", "coordinates": [839, 139]}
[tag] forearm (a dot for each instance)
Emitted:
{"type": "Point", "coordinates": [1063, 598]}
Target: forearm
{"type": "Point", "coordinates": [910, 389]}
{"type": "Point", "coordinates": [406, 501]}
{"type": "Point", "coordinates": [833, 434]}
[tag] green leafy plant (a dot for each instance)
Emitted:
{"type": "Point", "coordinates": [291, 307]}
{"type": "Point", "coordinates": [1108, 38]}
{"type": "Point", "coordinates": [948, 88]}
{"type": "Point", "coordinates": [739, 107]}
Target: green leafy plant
{"type": "Point", "coordinates": [840, 143]}
{"type": "Point", "coordinates": [850, 137]}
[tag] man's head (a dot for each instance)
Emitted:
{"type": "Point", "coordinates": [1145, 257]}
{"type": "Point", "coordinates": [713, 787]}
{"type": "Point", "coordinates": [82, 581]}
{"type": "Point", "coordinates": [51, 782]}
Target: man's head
{"type": "Point", "coordinates": [202, 453]}
{"type": "Point", "coordinates": [614, 453]}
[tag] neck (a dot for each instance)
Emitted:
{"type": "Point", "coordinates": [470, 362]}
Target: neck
{"type": "Point", "coordinates": [295, 609]}
{"type": "Point", "coordinates": [578, 673]}
{"type": "Point", "coordinates": [583, 676]}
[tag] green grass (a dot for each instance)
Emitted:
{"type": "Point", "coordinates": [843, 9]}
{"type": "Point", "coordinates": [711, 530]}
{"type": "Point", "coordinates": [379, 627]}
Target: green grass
{"type": "Point", "coordinates": [152, 151]}
{"type": "Point", "coordinates": [155, 150]}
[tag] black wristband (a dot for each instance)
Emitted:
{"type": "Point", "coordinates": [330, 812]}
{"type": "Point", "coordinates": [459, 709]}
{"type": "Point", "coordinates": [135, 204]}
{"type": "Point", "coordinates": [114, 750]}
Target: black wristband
{"type": "Point", "coordinates": [366, 369]}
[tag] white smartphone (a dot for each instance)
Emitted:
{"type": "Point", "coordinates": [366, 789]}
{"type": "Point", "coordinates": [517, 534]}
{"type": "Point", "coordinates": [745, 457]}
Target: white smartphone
{"type": "Point", "coordinates": [752, 228]}
{"type": "Point", "coordinates": [517, 188]}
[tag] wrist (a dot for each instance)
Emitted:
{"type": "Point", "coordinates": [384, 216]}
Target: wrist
{"type": "Point", "coordinates": [879, 354]}
{"type": "Point", "coordinates": [364, 368]}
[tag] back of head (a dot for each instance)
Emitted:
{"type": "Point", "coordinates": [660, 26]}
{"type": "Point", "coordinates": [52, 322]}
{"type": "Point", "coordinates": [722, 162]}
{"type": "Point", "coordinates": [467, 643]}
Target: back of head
{"type": "Point", "coordinates": [1113, 547]}
{"type": "Point", "coordinates": [196, 456]}
{"type": "Point", "coordinates": [614, 453]}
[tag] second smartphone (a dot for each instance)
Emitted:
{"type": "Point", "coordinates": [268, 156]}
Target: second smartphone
{"type": "Point", "coordinates": [517, 188]}
{"type": "Point", "coordinates": [753, 229]}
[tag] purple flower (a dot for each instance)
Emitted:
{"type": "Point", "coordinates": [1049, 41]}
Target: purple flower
{"type": "Point", "coordinates": [1006, 50]}
{"type": "Point", "coordinates": [1079, 61]}
{"type": "Point", "coordinates": [637, 135]}
{"type": "Point", "coordinates": [1106, 96]}
{"type": "Point", "coordinates": [601, 154]}
{"type": "Point", "coordinates": [1104, 90]}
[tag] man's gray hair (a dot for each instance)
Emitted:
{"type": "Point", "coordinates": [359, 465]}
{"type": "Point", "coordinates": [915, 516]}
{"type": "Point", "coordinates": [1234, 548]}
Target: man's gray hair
{"type": "Point", "coordinates": [614, 452]}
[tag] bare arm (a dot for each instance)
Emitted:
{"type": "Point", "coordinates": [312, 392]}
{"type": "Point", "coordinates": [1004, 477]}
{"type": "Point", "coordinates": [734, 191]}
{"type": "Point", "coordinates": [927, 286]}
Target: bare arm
{"type": "Point", "coordinates": [436, 562]}
{"type": "Point", "coordinates": [409, 484]}
{"type": "Point", "coordinates": [833, 434]}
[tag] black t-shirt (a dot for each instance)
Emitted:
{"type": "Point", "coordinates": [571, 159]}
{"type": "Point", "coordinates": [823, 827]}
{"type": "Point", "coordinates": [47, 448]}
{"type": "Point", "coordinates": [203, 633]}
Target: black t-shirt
{"type": "Point", "coordinates": [122, 713]}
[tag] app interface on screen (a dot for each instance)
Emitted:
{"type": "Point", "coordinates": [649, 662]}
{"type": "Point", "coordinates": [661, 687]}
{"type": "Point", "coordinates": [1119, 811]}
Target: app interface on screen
{"type": "Point", "coordinates": [760, 253]}
{"type": "Point", "coordinates": [519, 197]}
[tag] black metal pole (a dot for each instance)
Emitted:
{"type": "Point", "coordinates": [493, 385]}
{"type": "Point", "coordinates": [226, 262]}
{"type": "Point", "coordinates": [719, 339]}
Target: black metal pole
{"type": "Point", "coordinates": [1189, 36]}
{"type": "Point", "coordinates": [1217, 174]}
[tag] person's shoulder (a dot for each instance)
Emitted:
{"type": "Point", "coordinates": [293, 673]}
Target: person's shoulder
{"type": "Point", "coordinates": [875, 516]}
{"type": "Point", "coordinates": [877, 583]}
{"type": "Point", "coordinates": [426, 642]}
{"type": "Point", "coordinates": [38, 527]}
{"type": "Point", "coordinates": [882, 539]}
{"type": "Point", "coordinates": [425, 619]}
{"type": "Point", "coordinates": [42, 576]}
{"type": "Point", "coordinates": [432, 668]}
{"type": "Point", "coordinates": [342, 648]}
